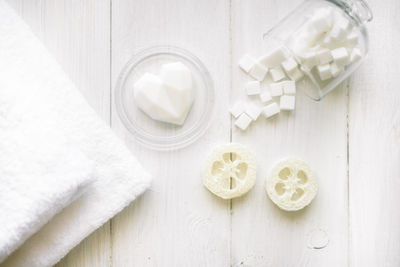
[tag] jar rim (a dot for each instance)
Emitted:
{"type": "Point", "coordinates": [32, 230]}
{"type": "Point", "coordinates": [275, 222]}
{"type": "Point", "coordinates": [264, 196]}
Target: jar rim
{"type": "Point", "coordinates": [357, 9]}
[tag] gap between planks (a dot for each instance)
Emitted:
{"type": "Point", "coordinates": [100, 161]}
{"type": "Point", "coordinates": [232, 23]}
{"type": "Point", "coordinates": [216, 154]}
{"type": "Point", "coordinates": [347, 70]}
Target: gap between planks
{"type": "Point", "coordinates": [231, 124]}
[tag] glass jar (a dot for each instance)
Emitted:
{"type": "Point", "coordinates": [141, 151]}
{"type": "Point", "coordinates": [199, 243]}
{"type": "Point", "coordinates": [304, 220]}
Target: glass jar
{"type": "Point", "coordinates": [328, 39]}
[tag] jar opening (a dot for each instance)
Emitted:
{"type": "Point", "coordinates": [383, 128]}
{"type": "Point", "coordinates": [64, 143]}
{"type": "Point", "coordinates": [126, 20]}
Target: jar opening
{"type": "Point", "coordinates": [358, 9]}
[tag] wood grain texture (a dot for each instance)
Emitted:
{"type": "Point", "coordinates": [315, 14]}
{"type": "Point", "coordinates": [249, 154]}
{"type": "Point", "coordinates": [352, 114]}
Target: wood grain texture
{"type": "Point", "coordinates": [77, 34]}
{"type": "Point", "coordinates": [262, 234]}
{"type": "Point", "coordinates": [177, 222]}
{"type": "Point", "coordinates": [374, 145]}
{"type": "Point", "coordinates": [351, 139]}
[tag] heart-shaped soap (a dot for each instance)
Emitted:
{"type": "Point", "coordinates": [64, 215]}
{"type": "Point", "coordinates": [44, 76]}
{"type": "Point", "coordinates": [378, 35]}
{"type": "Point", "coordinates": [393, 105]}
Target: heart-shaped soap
{"type": "Point", "coordinates": [167, 97]}
{"type": "Point", "coordinates": [179, 85]}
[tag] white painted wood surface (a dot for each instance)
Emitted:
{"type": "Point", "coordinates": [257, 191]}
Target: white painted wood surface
{"type": "Point", "coordinates": [262, 234]}
{"type": "Point", "coordinates": [374, 145]}
{"type": "Point", "coordinates": [351, 139]}
{"type": "Point", "coordinates": [178, 222]}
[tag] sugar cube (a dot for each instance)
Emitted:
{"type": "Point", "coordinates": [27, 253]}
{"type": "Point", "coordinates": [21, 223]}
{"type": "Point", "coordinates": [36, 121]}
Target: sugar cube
{"type": "Point", "coordinates": [253, 88]}
{"type": "Point", "coordinates": [276, 89]}
{"type": "Point", "coordinates": [343, 23]}
{"type": "Point", "coordinates": [289, 65]}
{"type": "Point", "coordinates": [265, 97]}
{"type": "Point", "coordinates": [316, 47]}
{"type": "Point", "coordinates": [237, 109]}
{"type": "Point", "coordinates": [246, 63]}
{"type": "Point", "coordinates": [305, 70]}
{"type": "Point", "coordinates": [289, 87]}
{"type": "Point", "coordinates": [340, 56]}
{"type": "Point", "coordinates": [321, 21]}
{"type": "Point", "coordinates": [287, 102]}
{"type": "Point", "coordinates": [243, 121]}
{"type": "Point", "coordinates": [338, 33]}
{"type": "Point", "coordinates": [324, 72]}
{"type": "Point", "coordinates": [310, 59]}
{"type": "Point", "coordinates": [335, 69]}
{"type": "Point", "coordinates": [271, 110]}
{"type": "Point", "coordinates": [352, 39]}
{"type": "Point", "coordinates": [324, 56]}
{"type": "Point", "coordinates": [253, 111]}
{"type": "Point", "coordinates": [355, 55]}
{"type": "Point", "coordinates": [258, 71]}
{"type": "Point", "coordinates": [296, 75]}
{"type": "Point", "coordinates": [277, 74]}
{"type": "Point", "coordinates": [329, 42]}
{"type": "Point", "coordinates": [273, 58]}
{"type": "Point", "coordinates": [302, 39]}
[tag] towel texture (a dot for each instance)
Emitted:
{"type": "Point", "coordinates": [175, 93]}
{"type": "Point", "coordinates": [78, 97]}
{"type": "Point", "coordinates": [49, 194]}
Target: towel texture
{"type": "Point", "coordinates": [39, 172]}
{"type": "Point", "coordinates": [27, 68]}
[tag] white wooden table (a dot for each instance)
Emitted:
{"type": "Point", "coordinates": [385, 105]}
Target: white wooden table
{"type": "Point", "coordinates": [351, 138]}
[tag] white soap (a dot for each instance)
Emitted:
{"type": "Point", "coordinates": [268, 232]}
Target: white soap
{"type": "Point", "coordinates": [243, 121]}
{"type": "Point", "coordinates": [271, 110]}
{"type": "Point", "coordinates": [258, 71]}
{"type": "Point", "coordinates": [310, 59]}
{"type": "Point", "coordinates": [265, 97]}
{"type": "Point", "coordinates": [253, 111]}
{"type": "Point", "coordinates": [352, 39]}
{"type": "Point", "coordinates": [322, 19]}
{"type": "Point", "coordinates": [273, 58]}
{"type": "Point", "coordinates": [152, 98]}
{"type": "Point", "coordinates": [355, 55]}
{"type": "Point", "coordinates": [287, 102]}
{"type": "Point", "coordinates": [335, 69]}
{"type": "Point", "coordinates": [246, 63]}
{"type": "Point", "coordinates": [296, 75]}
{"type": "Point", "coordinates": [179, 85]}
{"type": "Point", "coordinates": [276, 89]}
{"type": "Point", "coordinates": [277, 74]}
{"type": "Point", "coordinates": [176, 75]}
{"type": "Point", "coordinates": [324, 56]}
{"type": "Point", "coordinates": [289, 65]}
{"type": "Point", "coordinates": [289, 87]}
{"type": "Point", "coordinates": [253, 88]}
{"type": "Point", "coordinates": [324, 72]}
{"type": "Point", "coordinates": [237, 109]}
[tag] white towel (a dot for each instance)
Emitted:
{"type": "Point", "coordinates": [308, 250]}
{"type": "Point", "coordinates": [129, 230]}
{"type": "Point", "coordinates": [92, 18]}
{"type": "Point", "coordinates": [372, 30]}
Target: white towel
{"type": "Point", "coordinates": [40, 173]}
{"type": "Point", "coordinates": [27, 66]}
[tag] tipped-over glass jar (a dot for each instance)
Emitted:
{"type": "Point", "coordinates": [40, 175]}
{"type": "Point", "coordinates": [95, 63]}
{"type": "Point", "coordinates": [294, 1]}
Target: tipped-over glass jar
{"type": "Point", "coordinates": [328, 38]}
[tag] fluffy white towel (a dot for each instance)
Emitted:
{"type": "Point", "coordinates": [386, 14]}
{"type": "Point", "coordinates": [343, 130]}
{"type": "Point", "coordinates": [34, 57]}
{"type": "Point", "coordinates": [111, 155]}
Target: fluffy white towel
{"type": "Point", "coordinates": [40, 173]}
{"type": "Point", "coordinates": [26, 66]}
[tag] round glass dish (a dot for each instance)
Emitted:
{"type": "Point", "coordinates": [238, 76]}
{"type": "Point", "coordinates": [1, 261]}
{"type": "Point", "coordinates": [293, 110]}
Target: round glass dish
{"type": "Point", "coordinates": [155, 134]}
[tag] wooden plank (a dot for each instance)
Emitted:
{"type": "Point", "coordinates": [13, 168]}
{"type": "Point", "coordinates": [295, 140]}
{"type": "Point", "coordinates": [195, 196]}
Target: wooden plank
{"type": "Point", "coordinates": [262, 234]}
{"type": "Point", "coordinates": [374, 145]}
{"type": "Point", "coordinates": [170, 226]}
{"type": "Point", "coordinates": [177, 222]}
{"type": "Point", "coordinates": [78, 35]}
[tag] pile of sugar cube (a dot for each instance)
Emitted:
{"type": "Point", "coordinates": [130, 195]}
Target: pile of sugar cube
{"type": "Point", "coordinates": [326, 44]}
{"type": "Point", "coordinates": [278, 65]}
{"type": "Point", "coordinates": [323, 46]}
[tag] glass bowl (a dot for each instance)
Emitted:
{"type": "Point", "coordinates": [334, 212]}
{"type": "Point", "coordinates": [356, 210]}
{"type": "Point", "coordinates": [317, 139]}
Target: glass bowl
{"type": "Point", "coordinates": [155, 134]}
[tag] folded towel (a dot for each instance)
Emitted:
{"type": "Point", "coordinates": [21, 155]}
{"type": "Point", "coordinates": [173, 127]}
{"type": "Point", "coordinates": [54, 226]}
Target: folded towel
{"type": "Point", "coordinates": [39, 172]}
{"type": "Point", "coordinates": [27, 67]}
